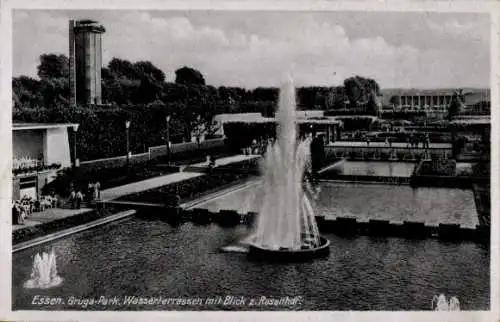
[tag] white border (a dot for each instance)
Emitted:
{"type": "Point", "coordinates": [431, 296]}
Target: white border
{"type": "Point", "coordinates": [291, 5]}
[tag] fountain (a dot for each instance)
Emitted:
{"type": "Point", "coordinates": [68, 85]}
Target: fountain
{"type": "Point", "coordinates": [44, 272]}
{"type": "Point", "coordinates": [286, 227]}
{"type": "Point", "coordinates": [440, 303]}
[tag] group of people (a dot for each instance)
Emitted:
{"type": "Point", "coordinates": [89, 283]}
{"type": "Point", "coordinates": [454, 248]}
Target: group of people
{"type": "Point", "coordinates": [411, 141]}
{"type": "Point", "coordinates": [414, 142]}
{"type": "Point", "coordinates": [257, 147]}
{"type": "Point", "coordinates": [76, 196]}
{"type": "Point", "coordinates": [26, 206]}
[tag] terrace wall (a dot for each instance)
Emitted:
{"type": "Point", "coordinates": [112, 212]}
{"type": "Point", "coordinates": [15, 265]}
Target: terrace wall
{"type": "Point", "coordinates": [406, 153]}
{"type": "Point", "coordinates": [153, 152]}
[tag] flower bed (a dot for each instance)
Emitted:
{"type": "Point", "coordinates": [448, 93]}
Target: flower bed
{"type": "Point", "coordinates": [195, 156]}
{"type": "Point", "coordinates": [40, 167]}
{"type": "Point", "coordinates": [186, 189]}
{"type": "Point", "coordinates": [108, 177]}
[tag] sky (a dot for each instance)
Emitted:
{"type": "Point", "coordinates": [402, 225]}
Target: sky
{"type": "Point", "coordinates": [258, 48]}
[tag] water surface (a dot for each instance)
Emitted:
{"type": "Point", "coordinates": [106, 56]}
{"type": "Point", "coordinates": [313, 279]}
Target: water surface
{"type": "Point", "coordinates": [145, 257]}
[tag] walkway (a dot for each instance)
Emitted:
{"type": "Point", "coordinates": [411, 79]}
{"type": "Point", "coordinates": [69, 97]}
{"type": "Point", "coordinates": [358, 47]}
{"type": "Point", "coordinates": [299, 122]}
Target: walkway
{"type": "Point", "coordinates": [152, 183]}
{"type": "Point", "coordinates": [228, 160]}
{"type": "Point", "coordinates": [383, 145]}
{"type": "Point", "coordinates": [113, 193]}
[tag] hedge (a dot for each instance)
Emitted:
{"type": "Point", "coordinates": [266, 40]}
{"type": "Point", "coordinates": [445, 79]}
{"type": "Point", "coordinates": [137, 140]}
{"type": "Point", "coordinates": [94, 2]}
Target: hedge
{"type": "Point", "coordinates": [102, 132]}
{"type": "Point", "coordinates": [107, 177]}
{"type": "Point", "coordinates": [241, 134]}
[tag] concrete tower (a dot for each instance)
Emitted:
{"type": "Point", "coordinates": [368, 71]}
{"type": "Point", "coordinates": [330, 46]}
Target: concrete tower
{"type": "Point", "coordinates": [85, 62]}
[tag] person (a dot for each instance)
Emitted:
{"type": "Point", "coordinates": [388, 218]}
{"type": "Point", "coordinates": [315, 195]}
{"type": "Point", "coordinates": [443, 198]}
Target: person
{"type": "Point", "coordinates": [98, 190]}
{"type": "Point", "coordinates": [79, 199]}
{"type": "Point", "coordinates": [212, 161]}
{"type": "Point", "coordinates": [390, 142]}
{"type": "Point", "coordinates": [427, 140]}
{"type": "Point", "coordinates": [53, 198]}
{"type": "Point", "coordinates": [72, 198]}
{"type": "Point", "coordinates": [367, 141]}
{"type": "Point", "coordinates": [17, 214]}
{"type": "Point", "coordinates": [90, 187]}
{"type": "Point", "coordinates": [386, 141]}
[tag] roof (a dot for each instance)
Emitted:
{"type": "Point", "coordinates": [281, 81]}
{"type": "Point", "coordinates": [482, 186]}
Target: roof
{"type": "Point", "coordinates": [40, 126]}
{"type": "Point", "coordinates": [472, 121]}
{"type": "Point", "coordinates": [471, 95]}
{"type": "Point", "coordinates": [325, 120]}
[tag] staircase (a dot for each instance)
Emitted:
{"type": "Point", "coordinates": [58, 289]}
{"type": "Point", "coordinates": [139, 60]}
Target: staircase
{"type": "Point", "coordinates": [83, 204]}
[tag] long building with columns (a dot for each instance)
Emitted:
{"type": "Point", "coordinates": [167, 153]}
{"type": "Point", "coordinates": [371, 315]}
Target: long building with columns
{"type": "Point", "coordinates": [434, 102]}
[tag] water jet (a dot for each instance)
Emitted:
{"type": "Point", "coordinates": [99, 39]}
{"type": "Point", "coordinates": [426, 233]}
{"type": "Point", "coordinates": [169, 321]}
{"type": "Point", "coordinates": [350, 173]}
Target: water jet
{"type": "Point", "coordinates": [286, 228]}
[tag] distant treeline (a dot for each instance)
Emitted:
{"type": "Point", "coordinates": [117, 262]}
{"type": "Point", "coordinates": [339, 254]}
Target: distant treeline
{"type": "Point", "coordinates": [138, 91]}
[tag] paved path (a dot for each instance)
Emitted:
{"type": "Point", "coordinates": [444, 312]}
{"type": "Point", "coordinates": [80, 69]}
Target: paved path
{"type": "Point", "coordinates": [156, 182]}
{"type": "Point", "coordinates": [139, 186]}
{"type": "Point", "coordinates": [48, 215]}
{"type": "Point", "coordinates": [228, 160]}
{"type": "Point", "coordinates": [383, 145]}
{"type": "Point", "coordinates": [113, 193]}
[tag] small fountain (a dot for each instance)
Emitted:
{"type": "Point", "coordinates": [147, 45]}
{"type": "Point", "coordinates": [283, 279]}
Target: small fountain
{"type": "Point", "coordinates": [440, 303]}
{"type": "Point", "coordinates": [286, 227]}
{"type": "Point", "coordinates": [44, 272]}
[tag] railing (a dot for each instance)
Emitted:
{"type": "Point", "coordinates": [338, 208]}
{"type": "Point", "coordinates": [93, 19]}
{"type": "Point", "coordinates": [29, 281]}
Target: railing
{"type": "Point", "coordinates": [27, 165]}
{"type": "Point", "coordinates": [386, 153]}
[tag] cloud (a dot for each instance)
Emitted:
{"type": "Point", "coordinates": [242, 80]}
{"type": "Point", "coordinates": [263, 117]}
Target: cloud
{"type": "Point", "coordinates": [470, 30]}
{"type": "Point", "coordinates": [316, 51]}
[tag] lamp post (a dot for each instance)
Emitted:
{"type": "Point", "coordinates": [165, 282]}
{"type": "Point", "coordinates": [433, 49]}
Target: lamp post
{"type": "Point", "coordinates": [127, 126]}
{"type": "Point", "coordinates": [167, 138]}
{"type": "Point", "coordinates": [75, 130]}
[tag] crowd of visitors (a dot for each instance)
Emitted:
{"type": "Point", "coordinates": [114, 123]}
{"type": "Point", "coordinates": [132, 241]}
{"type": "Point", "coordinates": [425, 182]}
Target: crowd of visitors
{"type": "Point", "coordinates": [26, 206]}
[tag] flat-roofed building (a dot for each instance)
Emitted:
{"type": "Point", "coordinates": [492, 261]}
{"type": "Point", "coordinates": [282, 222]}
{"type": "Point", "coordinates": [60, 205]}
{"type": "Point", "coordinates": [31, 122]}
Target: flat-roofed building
{"type": "Point", "coordinates": [39, 151]}
{"type": "Point", "coordinates": [436, 102]}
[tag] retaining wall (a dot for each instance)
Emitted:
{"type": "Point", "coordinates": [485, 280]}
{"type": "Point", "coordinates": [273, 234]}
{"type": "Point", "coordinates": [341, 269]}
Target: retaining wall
{"type": "Point", "coordinates": [338, 225]}
{"type": "Point", "coordinates": [362, 178]}
{"type": "Point", "coordinates": [153, 152]}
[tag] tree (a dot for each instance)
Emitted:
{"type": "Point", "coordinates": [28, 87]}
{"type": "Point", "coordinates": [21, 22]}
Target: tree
{"type": "Point", "coordinates": [373, 106]}
{"type": "Point", "coordinates": [147, 68]}
{"type": "Point", "coordinates": [26, 92]}
{"type": "Point", "coordinates": [455, 106]}
{"type": "Point", "coordinates": [359, 89]}
{"type": "Point", "coordinates": [189, 76]}
{"type": "Point", "coordinates": [124, 68]}
{"type": "Point", "coordinates": [53, 66]}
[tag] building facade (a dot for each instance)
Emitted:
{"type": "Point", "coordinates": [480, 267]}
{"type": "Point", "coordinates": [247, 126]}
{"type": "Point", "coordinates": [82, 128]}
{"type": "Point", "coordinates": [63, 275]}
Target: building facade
{"type": "Point", "coordinates": [436, 103]}
{"type": "Point", "coordinates": [85, 62]}
{"type": "Point", "coordinates": [39, 151]}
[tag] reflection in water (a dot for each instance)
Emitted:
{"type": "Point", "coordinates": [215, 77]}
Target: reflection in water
{"type": "Point", "coordinates": [440, 303]}
{"type": "Point", "coordinates": [147, 256]}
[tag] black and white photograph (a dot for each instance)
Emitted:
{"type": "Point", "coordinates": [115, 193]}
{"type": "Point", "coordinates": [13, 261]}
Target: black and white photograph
{"type": "Point", "coordinates": [249, 160]}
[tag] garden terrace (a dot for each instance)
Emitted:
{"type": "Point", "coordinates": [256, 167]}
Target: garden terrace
{"type": "Point", "coordinates": [108, 177]}
{"type": "Point", "coordinates": [186, 189]}
{"type": "Point", "coordinates": [195, 156]}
